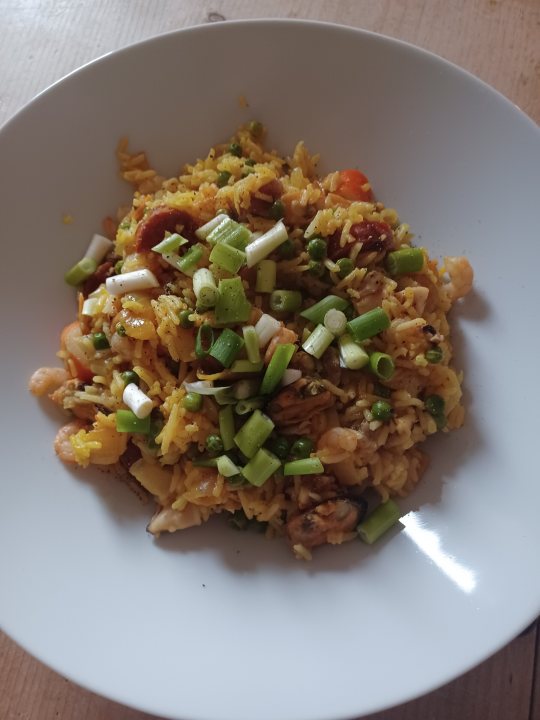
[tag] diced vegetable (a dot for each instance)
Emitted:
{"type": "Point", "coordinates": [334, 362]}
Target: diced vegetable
{"type": "Point", "coordinates": [316, 268]}
{"type": "Point", "coordinates": [245, 366]}
{"type": "Point", "coordinates": [285, 300]}
{"type": "Point", "coordinates": [261, 466]}
{"type": "Point", "coordinates": [226, 347]}
{"type": "Point", "coordinates": [266, 327]}
{"type": "Point", "coordinates": [206, 462]}
{"type": "Point", "coordinates": [302, 448]}
{"type": "Point", "coordinates": [184, 318]}
{"type": "Point", "coordinates": [353, 355]}
{"type": "Point", "coordinates": [227, 257]}
{"type": "Point", "coordinates": [226, 467]}
{"type": "Point", "coordinates": [204, 387]}
{"type": "Point", "coordinates": [192, 402]}
{"type": "Point", "coordinates": [226, 427]}
{"type": "Point", "coordinates": [382, 365]}
{"type": "Point", "coordinates": [316, 248]}
{"type": "Point", "coordinates": [188, 262]}
{"type": "Point", "coordinates": [231, 233]}
{"type": "Point", "coordinates": [290, 376]}
{"type": "Point", "coordinates": [305, 466]}
{"type": "Point", "coordinates": [276, 367]}
{"type": "Point", "coordinates": [434, 355]}
{"type": "Point", "coordinates": [204, 340]}
{"type": "Point", "coordinates": [232, 305]}
{"type": "Point", "coordinates": [244, 389]}
{"type": "Point", "coordinates": [169, 244]}
{"type": "Point", "coordinates": [214, 444]}
{"type": "Point", "coordinates": [127, 421]}
{"type": "Point", "coordinates": [204, 287]}
{"type": "Point", "coordinates": [266, 244]}
{"type": "Point", "coordinates": [99, 341]}
{"type": "Point", "coordinates": [316, 313]}
{"type": "Point", "coordinates": [266, 276]}
{"type": "Point", "coordinates": [279, 445]}
{"type": "Point", "coordinates": [277, 210]}
{"type": "Point", "coordinates": [335, 321]}
{"type": "Point", "coordinates": [223, 178]}
{"type": "Point", "coordinates": [381, 520]}
{"type": "Point", "coordinates": [243, 407]}
{"type": "Point", "coordinates": [139, 403]}
{"type": "Point", "coordinates": [381, 410]}
{"type": "Point", "coordinates": [235, 149]}
{"type": "Point", "coordinates": [318, 342]}
{"type": "Point", "coordinates": [251, 340]}
{"type": "Point", "coordinates": [346, 266]}
{"type": "Point", "coordinates": [99, 247]}
{"type": "Point", "coordinates": [404, 261]}
{"type": "Point", "coordinates": [354, 185]}
{"type": "Point", "coordinates": [369, 324]}
{"type": "Point", "coordinates": [81, 271]}
{"type": "Point", "coordinates": [130, 376]}
{"type": "Point", "coordinates": [203, 232]}
{"type": "Point", "coordinates": [91, 307]}
{"type": "Point", "coordinates": [128, 282]}
{"type": "Point", "coordinates": [254, 433]}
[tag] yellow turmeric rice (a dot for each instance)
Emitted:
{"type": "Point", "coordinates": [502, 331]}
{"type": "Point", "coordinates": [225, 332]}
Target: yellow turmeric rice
{"type": "Point", "coordinates": [258, 341]}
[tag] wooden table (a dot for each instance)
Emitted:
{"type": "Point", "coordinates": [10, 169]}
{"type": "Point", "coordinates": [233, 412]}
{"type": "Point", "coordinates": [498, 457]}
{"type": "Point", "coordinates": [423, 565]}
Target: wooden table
{"type": "Point", "coordinates": [498, 40]}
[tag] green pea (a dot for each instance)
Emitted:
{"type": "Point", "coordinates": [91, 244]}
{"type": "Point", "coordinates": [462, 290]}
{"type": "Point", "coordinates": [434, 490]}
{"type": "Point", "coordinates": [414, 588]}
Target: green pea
{"type": "Point", "coordinates": [316, 268]}
{"type": "Point", "coordinates": [287, 250]}
{"type": "Point", "coordinates": [301, 448]}
{"type": "Point", "coordinates": [256, 128]}
{"type": "Point", "coordinates": [184, 317]}
{"type": "Point", "coordinates": [100, 342]}
{"type": "Point", "coordinates": [382, 410]}
{"type": "Point", "coordinates": [235, 149]}
{"type": "Point", "coordinates": [434, 404]}
{"type": "Point", "coordinates": [120, 329]}
{"type": "Point", "coordinates": [130, 376]}
{"type": "Point", "coordinates": [277, 210]}
{"type": "Point", "coordinates": [118, 266]}
{"type": "Point", "coordinates": [346, 266]}
{"type": "Point", "coordinates": [316, 248]}
{"type": "Point", "coordinates": [434, 355]}
{"type": "Point", "coordinates": [214, 444]}
{"type": "Point", "coordinates": [250, 162]}
{"type": "Point", "coordinates": [279, 446]}
{"type": "Point", "coordinates": [223, 178]}
{"type": "Point", "coordinates": [192, 402]}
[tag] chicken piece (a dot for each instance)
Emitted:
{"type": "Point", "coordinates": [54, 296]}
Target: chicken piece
{"type": "Point", "coordinates": [312, 528]}
{"type": "Point", "coordinates": [47, 379]}
{"type": "Point", "coordinates": [300, 401]}
{"type": "Point", "coordinates": [169, 520]}
{"type": "Point", "coordinates": [461, 276]}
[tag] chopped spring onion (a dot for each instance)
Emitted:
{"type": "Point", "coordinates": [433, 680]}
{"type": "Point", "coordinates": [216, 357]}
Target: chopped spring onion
{"type": "Point", "coordinates": [318, 342]}
{"type": "Point", "coordinates": [285, 300]}
{"type": "Point", "coordinates": [97, 249]}
{"type": "Point", "coordinates": [127, 421]}
{"type": "Point", "coordinates": [379, 522]}
{"type": "Point", "coordinates": [276, 367]}
{"type": "Point", "coordinates": [128, 282]}
{"type": "Point", "coordinates": [192, 402]}
{"type": "Point", "coordinates": [81, 271]}
{"type": "Point", "coordinates": [335, 321]}
{"type": "Point", "coordinates": [245, 366]}
{"type": "Point", "coordinates": [204, 340]}
{"type": "Point", "coordinates": [251, 340]}
{"type": "Point", "coordinates": [266, 327]}
{"type": "Point", "coordinates": [187, 263]}
{"type": "Point", "coordinates": [184, 318]}
{"type": "Point", "coordinates": [226, 347]}
{"type": "Point", "coordinates": [204, 231]}
{"type": "Point", "coordinates": [369, 324]}
{"type": "Point", "coordinates": [406, 260]}
{"type": "Point", "coordinates": [244, 406]}
{"type": "Point", "coordinates": [232, 305]}
{"type": "Point", "coordinates": [204, 387]}
{"type": "Point", "coordinates": [225, 397]}
{"type": "Point", "coordinates": [139, 403]}
{"type": "Point", "coordinates": [91, 307]}
{"type": "Point", "coordinates": [244, 389]}
{"type": "Point", "coordinates": [254, 433]}
{"type": "Point", "coordinates": [231, 233]}
{"type": "Point", "coordinates": [382, 365]}
{"type": "Point", "coordinates": [266, 276]}
{"type": "Point", "coordinates": [316, 313]}
{"type": "Point", "coordinates": [353, 355]}
{"type": "Point", "coordinates": [100, 342]}
{"type": "Point", "coordinates": [305, 466]}
{"type": "Point", "coordinates": [259, 249]}
{"type": "Point", "coordinates": [169, 244]}
{"type": "Point", "coordinates": [290, 376]}
{"type": "Point", "coordinates": [204, 287]}
{"type": "Point", "coordinates": [226, 427]}
{"type": "Point", "coordinates": [261, 466]}
{"type": "Point", "coordinates": [206, 462]}
{"type": "Point", "coordinates": [227, 257]}
{"type": "Point", "coordinates": [226, 467]}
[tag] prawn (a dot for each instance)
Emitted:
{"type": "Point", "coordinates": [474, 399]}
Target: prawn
{"type": "Point", "coordinates": [62, 444]}
{"type": "Point", "coordinates": [46, 379]}
{"type": "Point", "coordinates": [461, 276]}
{"type": "Point", "coordinates": [337, 444]}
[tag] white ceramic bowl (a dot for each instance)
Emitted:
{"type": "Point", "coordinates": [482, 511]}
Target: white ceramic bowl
{"type": "Point", "coordinates": [214, 625]}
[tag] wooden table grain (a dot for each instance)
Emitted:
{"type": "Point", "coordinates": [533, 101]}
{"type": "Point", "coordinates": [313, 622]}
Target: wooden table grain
{"type": "Point", "coordinates": [497, 40]}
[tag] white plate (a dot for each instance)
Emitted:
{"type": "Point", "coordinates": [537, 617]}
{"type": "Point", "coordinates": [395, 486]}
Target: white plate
{"type": "Point", "coordinates": [212, 624]}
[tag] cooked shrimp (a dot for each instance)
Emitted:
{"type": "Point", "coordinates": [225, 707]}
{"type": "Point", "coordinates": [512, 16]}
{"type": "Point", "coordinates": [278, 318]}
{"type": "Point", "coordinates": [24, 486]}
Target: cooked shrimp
{"type": "Point", "coordinates": [62, 444]}
{"type": "Point", "coordinates": [47, 379]}
{"type": "Point", "coordinates": [169, 520]}
{"type": "Point", "coordinates": [314, 527]}
{"type": "Point", "coordinates": [336, 444]}
{"type": "Point", "coordinates": [282, 337]}
{"type": "Point", "coordinates": [461, 276]}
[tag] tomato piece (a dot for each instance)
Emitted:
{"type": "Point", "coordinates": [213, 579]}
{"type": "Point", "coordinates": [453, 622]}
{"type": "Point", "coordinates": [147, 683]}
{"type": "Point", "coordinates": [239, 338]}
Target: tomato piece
{"type": "Point", "coordinates": [354, 185]}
